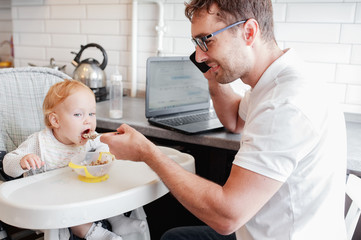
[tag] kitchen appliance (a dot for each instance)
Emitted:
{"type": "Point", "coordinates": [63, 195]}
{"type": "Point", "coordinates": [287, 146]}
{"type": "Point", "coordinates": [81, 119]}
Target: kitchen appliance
{"type": "Point", "coordinates": [90, 72]}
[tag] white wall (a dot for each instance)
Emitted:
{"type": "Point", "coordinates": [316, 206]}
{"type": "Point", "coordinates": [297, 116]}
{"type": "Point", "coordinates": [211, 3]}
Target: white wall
{"type": "Point", "coordinates": [327, 33]}
{"type": "Point", "coordinates": [5, 29]}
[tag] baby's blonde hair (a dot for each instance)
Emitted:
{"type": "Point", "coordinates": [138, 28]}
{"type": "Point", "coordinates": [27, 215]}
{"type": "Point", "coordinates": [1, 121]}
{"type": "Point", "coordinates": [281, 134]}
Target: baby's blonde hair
{"type": "Point", "coordinates": [57, 94]}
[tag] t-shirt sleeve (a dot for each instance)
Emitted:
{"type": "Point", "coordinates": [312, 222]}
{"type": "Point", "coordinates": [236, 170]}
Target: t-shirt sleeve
{"type": "Point", "coordinates": [243, 106]}
{"type": "Point", "coordinates": [275, 138]}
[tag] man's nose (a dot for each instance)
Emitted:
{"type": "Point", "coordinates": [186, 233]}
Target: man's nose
{"type": "Point", "coordinates": [200, 55]}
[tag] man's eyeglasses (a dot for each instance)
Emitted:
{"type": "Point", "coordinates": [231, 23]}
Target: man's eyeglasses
{"type": "Point", "coordinates": [201, 42]}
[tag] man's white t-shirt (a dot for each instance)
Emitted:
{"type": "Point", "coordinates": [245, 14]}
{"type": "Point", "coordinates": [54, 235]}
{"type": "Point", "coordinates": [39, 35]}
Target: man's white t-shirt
{"type": "Point", "coordinates": [294, 134]}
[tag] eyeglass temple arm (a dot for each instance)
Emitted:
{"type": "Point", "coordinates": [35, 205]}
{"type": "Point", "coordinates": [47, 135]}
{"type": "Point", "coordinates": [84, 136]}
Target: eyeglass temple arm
{"type": "Point", "coordinates": [223, 29]}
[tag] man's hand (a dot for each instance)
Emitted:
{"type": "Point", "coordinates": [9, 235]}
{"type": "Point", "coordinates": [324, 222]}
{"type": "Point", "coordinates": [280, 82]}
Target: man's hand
{"type": "Point", "coordinates": [127, 143]}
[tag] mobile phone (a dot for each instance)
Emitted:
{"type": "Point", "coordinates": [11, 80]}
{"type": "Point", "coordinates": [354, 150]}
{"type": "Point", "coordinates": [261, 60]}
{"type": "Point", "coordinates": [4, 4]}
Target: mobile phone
{"type": "Point", "coordinates": [202, 66]}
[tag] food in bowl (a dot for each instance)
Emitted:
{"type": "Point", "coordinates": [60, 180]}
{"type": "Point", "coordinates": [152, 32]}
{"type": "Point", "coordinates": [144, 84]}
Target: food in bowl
{"type": "Point", "coordinates": [94, 165]}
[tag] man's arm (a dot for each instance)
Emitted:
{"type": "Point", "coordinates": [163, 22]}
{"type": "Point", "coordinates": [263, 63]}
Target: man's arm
{"type": "Point", "coordinates": [225, 209]}
{"type": "Point", "coordinates": [226, 103]}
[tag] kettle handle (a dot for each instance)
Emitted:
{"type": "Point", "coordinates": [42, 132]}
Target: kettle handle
{"type": "Point", "coordinates": [82, 48]}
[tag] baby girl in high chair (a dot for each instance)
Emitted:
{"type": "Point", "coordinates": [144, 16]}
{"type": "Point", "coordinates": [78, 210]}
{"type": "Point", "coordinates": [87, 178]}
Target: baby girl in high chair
{"type": "Point", "coordinates": [69, 113]}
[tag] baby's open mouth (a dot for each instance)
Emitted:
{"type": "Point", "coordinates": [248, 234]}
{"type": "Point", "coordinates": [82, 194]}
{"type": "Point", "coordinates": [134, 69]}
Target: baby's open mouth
{"type": "Point", "coordinates": [85, 134]}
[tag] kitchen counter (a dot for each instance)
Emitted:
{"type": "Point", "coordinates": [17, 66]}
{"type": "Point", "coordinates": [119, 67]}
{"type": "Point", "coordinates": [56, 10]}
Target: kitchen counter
{"type": "Point", "coordinates": [134, 115]}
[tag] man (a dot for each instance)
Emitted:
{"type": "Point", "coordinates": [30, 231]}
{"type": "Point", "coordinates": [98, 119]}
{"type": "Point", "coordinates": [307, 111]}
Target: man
{"type": "Point", "coordinates": [287, 179]}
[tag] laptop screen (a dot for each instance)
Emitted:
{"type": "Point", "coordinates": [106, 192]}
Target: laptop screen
{"type": "Point", "coordinates": [174, 85]}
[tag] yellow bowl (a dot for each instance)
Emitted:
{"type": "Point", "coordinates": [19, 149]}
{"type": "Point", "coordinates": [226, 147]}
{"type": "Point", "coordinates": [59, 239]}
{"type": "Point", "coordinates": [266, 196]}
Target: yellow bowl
{"type": "Point", "coordinates": [94, 167]}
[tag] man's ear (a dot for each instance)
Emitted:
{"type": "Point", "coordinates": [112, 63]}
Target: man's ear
{"type": "Point", "coordinates": [53, 119]}
{"type": "Point", "coordinates": [251, 30]}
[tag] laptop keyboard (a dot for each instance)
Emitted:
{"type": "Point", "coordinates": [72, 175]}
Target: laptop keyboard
{"type": "Point", "coordinates": [199, 117]}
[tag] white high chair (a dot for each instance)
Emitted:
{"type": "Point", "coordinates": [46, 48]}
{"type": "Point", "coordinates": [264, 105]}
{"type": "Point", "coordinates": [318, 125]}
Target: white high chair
{"type": "Point", "coordinates": [22, 93]}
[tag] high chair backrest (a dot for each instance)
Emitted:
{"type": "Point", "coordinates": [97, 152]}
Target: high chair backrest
{"type": "Point", "coordinates": [22, 91]}
{"type": "Point", "coordinates": [353, 190]}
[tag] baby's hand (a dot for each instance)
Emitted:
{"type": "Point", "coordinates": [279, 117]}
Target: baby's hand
{"type": "Point", "coordinates": [31, 161]}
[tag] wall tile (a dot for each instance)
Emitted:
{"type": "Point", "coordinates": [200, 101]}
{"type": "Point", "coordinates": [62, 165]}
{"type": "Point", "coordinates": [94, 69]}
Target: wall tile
{"type": "Point", "coordinates": [62, 26]}
{"type": "Point", "coordinates": [99, 1]}
{"type": "Point", "coordinates": [5, 4]}
{"type": "Point", "coordinates": [178, 29]}
{"type": "Point", "coordinates": [358, 13]}
{"type": "Point", "coordinates": [168, 45]}
{"type": "Point", "coordinates": [147, 43]}
{"type": "Point", "coordinates": [107, 11]}
{"type": "Point", "coordinates": [29, 39]}
{"type": "Point", "coordinates": [324, 53]}
{"type": "Point", "coordinates": [29, 53]}
{"type": "Point", "coordinates": [307, 32]}
{"type": "Point", "coordinates": [27, 2]}
{"type": "Point", "coordinates": [353, 95]}
{"type": "Point", "coordinates": [100, 27]}
{"type": "Point", "coordinates": [348, 74]}
{"type": "Point", "coordinates": [148, 11]}
{"type": "Point", "coordinates": [147, 28]}
{"type": "Point", "coordinates": [113, 58]}
{"type": "Point", "coordinates": [178, 12]}
{"type": "Point", "coordinates": [321, 13]}
{"type": "Point", "coordinates": [68, 40]}
{"type": "Point", "coordinates": [351, 33]}
{"type": "Point", "coordinates": [60, 54]}
{"type": "Point", "coordinates": [337, 91]}
{"type": "Point", "coordinates": [33, 12]}
{"type": "Point", "coordinates": [356, 54]}
{"type": "Point", "coordinates": [322, 72]}
{"type": "Point", "coordinates": [27, 26]}
{"type": "Point", "coordinates": [6, 26]}
{"type": "Point", "coordinates": [67, 12]}
{"type": "Point", "coordinates": [110, 42]}
{"type": "Point", "coordinates": [5, 14]}
{"type": "Point", "coordinates": [61, 2]}
{"type": "Point", "coordinates": [14, 13]}
{"type": "Point", "coordinates": [279, 12]}
{"type": "Point", "coordinates": [125, 27]}
{"type": "Point", "coordinates": [183, 46]}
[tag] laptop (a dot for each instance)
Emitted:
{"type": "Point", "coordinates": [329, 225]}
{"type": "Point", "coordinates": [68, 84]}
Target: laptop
{"type": "Point", "coordinates": [177, 96]}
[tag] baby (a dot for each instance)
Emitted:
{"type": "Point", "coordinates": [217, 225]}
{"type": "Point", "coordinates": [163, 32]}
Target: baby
{"type": "Point", "coordinates": [69, 113]}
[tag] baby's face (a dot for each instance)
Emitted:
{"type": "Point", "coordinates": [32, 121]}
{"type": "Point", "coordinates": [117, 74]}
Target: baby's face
{"type": "Point", "coordinates": [76, 116]}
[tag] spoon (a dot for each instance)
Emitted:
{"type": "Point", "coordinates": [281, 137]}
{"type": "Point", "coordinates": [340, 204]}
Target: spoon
{"type": "Point", "coordinates": [92, 136]}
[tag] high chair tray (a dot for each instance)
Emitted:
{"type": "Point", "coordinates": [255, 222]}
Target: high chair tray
{"type": "Point", "coordinates": [58, 199]}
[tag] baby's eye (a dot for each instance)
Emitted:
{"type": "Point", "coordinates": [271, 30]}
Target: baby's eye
{"type": "Point", "coordinates": [92, 114]}
{"type": "Point", "coordinates": [77, 114]}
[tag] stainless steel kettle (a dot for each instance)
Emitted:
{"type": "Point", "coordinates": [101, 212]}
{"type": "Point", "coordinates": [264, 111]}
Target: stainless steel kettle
{"type": "Point", "coordinates": [89, 71]}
